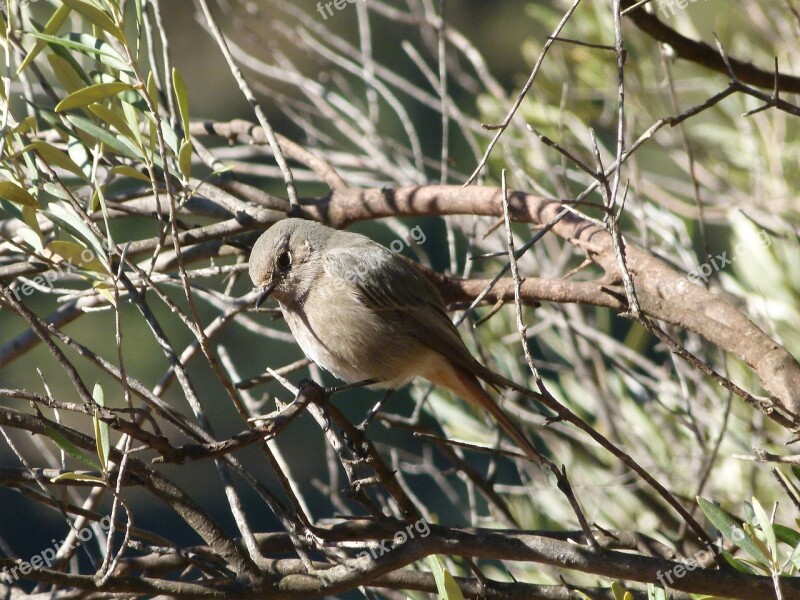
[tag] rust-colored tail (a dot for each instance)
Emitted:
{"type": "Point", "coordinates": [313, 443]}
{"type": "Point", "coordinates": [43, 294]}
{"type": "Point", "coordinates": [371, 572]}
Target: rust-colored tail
{"type": "Point", "coordinates": [466, 385]}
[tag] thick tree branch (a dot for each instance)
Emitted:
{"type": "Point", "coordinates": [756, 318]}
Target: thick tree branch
{"type": "Point", "coordinates": [664, 294]}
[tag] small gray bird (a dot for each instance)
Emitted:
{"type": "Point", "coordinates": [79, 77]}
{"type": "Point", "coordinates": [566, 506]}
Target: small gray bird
{"type": "Point", "coordinates": [363, 313]}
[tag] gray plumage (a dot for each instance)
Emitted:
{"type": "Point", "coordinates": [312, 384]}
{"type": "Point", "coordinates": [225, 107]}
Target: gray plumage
{"type": "Point", "coordinates": [362, 312]}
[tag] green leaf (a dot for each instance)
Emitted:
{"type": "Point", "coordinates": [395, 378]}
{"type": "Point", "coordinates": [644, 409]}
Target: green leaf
{"type": "Point", "coordinates": [732, 530]}
{"type": "Point", "coordinates": [66, 217]}
{"type": "Point", "coordinates": [12, 209]}
{"type": "Point", "coordinates": [114, 118]}
{"type": "Point", "coordinates": [105, 290]}
{"type": "Point", "coordinates": [736, 563]}
{"type": "Point", "coordinates": [65, 73]}
{"type": "Point", "coordinates": [71, 448]}
{"type": "Point", "coordinates": [96, 17]}
{"type": "Point", "coordinates": [74, 254]}
{"type": "Point", "coordinates": [445, 584]}
{"type": "Point", "coordinates": [170, 136]}
{"type": "Point", "coordinates": [54, 23]}
{"type": "Point", "coordinates": [93, 93]}
{"type": "Point", "coordinates": [85, 477]}
{"type": "Point", "coordinates": [787, 535]}
{"type": "Point", "coordinates": [55, 157]}
{"type": "Point", "coordinates": [91, 46]}
{"type": "Point", "coordinates": [75, 73]}
{"type": "Point", "coordinates": [618, 590]}
{"type": "Point", "coordinates": [27, 124]}
{"type": "Point", "coordinates": [127, 171]}
{"type": "Point", "coordinates": [14, 193]}
{"type": "Point", "coordinates": [131, 118]}
{"type": "Point", "coordinates": [183, 100]}
{"type": "Point", "coordinates": [185, 159]}
{"type": "Point", "coordinates": [766, 528]}
{"type": "Point", "coordinates": [32, 233]}
{"type": "Point", "coordinates": [119, 145]}
{"type": "Point", "coordinates": [101, 440]}
{"type": "Point", "coordinates": [152, 88]}
{"type": "Point", "coordinates": [101, 429]}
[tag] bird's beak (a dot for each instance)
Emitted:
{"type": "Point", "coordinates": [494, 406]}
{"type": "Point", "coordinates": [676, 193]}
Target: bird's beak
{"type": "Point", "coordinates": [263, 293]}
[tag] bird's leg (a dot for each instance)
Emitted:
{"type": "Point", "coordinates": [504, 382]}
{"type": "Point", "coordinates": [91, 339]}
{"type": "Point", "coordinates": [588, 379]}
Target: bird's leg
{"type": "Point", "coordinates": [350, 386]}
{"type": "Point", "coordinates": [374, 411]}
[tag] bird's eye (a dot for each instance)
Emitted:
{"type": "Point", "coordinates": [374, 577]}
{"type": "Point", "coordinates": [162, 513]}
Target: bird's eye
{"type": "Point", "coordinates": [285, 261]}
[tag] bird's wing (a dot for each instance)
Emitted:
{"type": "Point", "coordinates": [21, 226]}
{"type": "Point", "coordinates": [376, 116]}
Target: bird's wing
{"type": "Point", "coordinates": [390, 286]}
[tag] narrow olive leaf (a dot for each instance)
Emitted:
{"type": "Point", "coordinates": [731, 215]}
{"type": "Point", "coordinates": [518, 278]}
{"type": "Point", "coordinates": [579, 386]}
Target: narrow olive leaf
{"type": "Point", "coordinates": [766, 528]}
{"type": "Point", "coordinates": [32, 172]}
{"type": "Point", "coordinates": [185, 159]}
{"type": "Point", "coordinates": [71, 448]}
{"type": "Point", "coordinates": [749, 513]}
{"type": "Point", "coordinates": [617, 590]}
{"type": "Point", "coordinates": [14, 211]}
{"type": "Point", "coordinates": [101, 429]}
{"type": "Point", "coordinates": [732, 530]}
{"type": "Point", "coordinates": [55, 157]}
{"type": "Point", "coordinates": [89, 45]}
{"type": "Point", "coordinates": [14, 193]}
{"type": "Point", "coordinates": [74, 72]}
{"type": "Point", "coordinates": [32, 234]}
{"type": "Point", "coordinates": [132, 119]}
{"type": "Point", "coordinates": [66, 217]}
{"type": "Point", "coordinates": [183, 100]}
{"type": "Point", "coordinates": [96, 17]}
{"type": "Point", "coordinates": [26, 125]}
{"type": "Point", "coordinates": [787, 535]}
{"type": "Point", "coordinates": [54, 23]}
{"type": "Point", "coordinates": [170, 136]}
{"type": "Point", "coordinates": [152, 88]}
{"type": "Point", "coordinates": [113, 117]}
{"type": "Point", "coordinates": [98, 395]}
{"type": "Point", "coordinates": [118, 145]}
{"type": "Point", "coordinates": [77, 255]}
{"type": "Point", "coordinates": [104, 290]}
{"type": "Point", "coordinates": [445, 584]}
{"type": "Point", "coordinates": [127, 171]}
{"type": "Point", "coordinates": [84, 477]}
{"type": "Point", "coordinates": [93, 93]}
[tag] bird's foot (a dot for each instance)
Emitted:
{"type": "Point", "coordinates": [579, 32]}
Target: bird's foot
{"type": "Point", "coordinates": [373, 412]}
